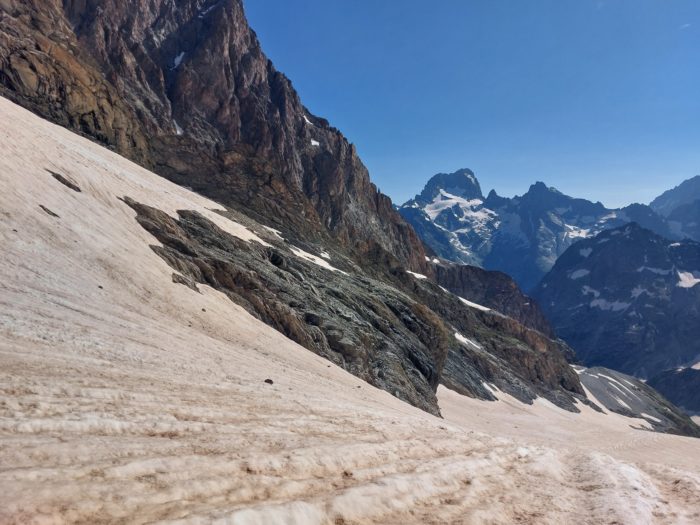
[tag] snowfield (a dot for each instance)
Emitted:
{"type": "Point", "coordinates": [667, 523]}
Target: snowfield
{"type": "Point", "coordinates": [128, 398]}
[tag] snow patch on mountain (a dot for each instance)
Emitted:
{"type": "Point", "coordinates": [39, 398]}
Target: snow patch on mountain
{"type": "Point", "coordinates": [467, 341]}
{"type": "Point", "coordinates": [639, 290]}
{"type": "Point", "coordinates": [578, 274]}
{"type": "Point", "coordinates": [474, 305]}
{"type": "Point", "coordinates": [319, 261]}
{"type": "Point", "coordinates": [575, 232]}
{"type": "Point", "coordinates": [615, 306]}
{"type": "Point", "coordinates": [178, 60]}
{"type": "Point", "coordinates": [688, 279]}
{"type": "Point", "coordinates": [587, 290]}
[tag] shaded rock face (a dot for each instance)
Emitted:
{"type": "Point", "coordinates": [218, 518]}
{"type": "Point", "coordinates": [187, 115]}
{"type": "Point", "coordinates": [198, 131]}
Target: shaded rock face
{"type": "Point", "coordinates": [184, 88]}
{"type": "Point", "coordinates": [685, 219]}
{"type": "Point", "coordinates": [681, 207]}
{"type": "Point", "coordinates": [398, 335]}
{"type": "Point", "coordinates": [494, 290]}
{"type": "Point", "coordinates": [681, 387]}
{"type": "Point", "coordinates": [365, 326]}
{"type": "Point", "coordinates": [685, 193]}
{"type": "Point", "coordinates": [498, 350]}
{"type": "Point", "coordinates": [522, 236]}
{"type": "Point", "coordinates": [623, 394]}
{"type": "Point", "coordinates": [627, 299]}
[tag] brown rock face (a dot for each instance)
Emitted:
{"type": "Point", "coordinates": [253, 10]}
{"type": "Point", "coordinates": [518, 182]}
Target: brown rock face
{"type": "Point", "coordinates": [494, 290]}
{"type": "Point", "coordinates": [43, 68]}
{"type": "Point", "coordinates": [184, 88]}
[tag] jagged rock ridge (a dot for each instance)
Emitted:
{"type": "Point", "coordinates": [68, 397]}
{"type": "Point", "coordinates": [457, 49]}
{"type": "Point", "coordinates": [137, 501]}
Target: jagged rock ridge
{"type": "Point", "coordinates": [522, 236]}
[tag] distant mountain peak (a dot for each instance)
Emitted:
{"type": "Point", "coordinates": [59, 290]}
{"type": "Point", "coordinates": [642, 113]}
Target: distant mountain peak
{"type": "Point", "coordinates": [540, 186]}
{"type": "Point", "coordinates": [540, 190]}
{"type": "Point", "coordinates": [462, 183]}
{"type": "Point", "coordinates": [524, 235]}
{"type": "Point", "coordinates": [686, 192]}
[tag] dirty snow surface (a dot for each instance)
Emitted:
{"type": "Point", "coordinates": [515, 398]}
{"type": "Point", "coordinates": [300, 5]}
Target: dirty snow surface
{"type": "Point", "coordinates": [127, 398]}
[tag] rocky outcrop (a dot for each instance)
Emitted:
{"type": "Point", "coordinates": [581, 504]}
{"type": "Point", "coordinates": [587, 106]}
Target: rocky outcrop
{"type": "Point", "coordinates": [398, 336]}
{"type": "Point", "coordinates": [522, 236]}
{"type": "Point", "coordinates": [494, 290]}
{"type": "Point", "coordinates": [497, 350]}
{"type": "Point", "coordinates": [186, 90]}
{"type": "Point", "coordinates": [627, 299]}
{"type": "Point", "coordinates": [685, 219]}
{"type": "Point", "coordinates": [375, 333]}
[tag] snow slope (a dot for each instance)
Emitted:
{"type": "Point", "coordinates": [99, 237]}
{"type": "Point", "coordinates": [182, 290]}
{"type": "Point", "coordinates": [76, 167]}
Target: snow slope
{"type": "Point", "coordinates": [128, 398]}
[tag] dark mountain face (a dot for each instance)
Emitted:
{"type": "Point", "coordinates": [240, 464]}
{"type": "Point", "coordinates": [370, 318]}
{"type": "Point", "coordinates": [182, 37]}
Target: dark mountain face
{"type": "Point", "coordinates": [681, 206]}
{"type": "Point", "coordinates": [627, 299]}
{"type": "Point", "coordinates": [185, 89]}
{"type": "Point", "coordinates": [685, 193]}
{"type": "Point", "coordinates": [685, 220]}
{"type": "Point", "coordinates": [650, 220]}
{"type": "Point", "coordinates": [680, 386]}
{"type": "Point", "coordinates": [522, 236]}
{"type": "Point", "coordinates": [494, 290]}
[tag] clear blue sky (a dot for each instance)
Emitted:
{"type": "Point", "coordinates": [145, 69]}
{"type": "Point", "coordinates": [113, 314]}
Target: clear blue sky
{"type": "Point", "coordinates": [600, 98]}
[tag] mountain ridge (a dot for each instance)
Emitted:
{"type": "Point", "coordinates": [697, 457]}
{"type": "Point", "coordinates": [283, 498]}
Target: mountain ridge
{"type": "Point", "coordinates": [685, 193]}
{"type": "Point", "coordinates": [522, 236]}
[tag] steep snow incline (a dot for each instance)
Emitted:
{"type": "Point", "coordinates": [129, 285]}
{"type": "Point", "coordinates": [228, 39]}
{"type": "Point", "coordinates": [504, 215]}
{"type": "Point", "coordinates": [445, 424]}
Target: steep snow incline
{"type": "Point", "coordinates": [128, 398]}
